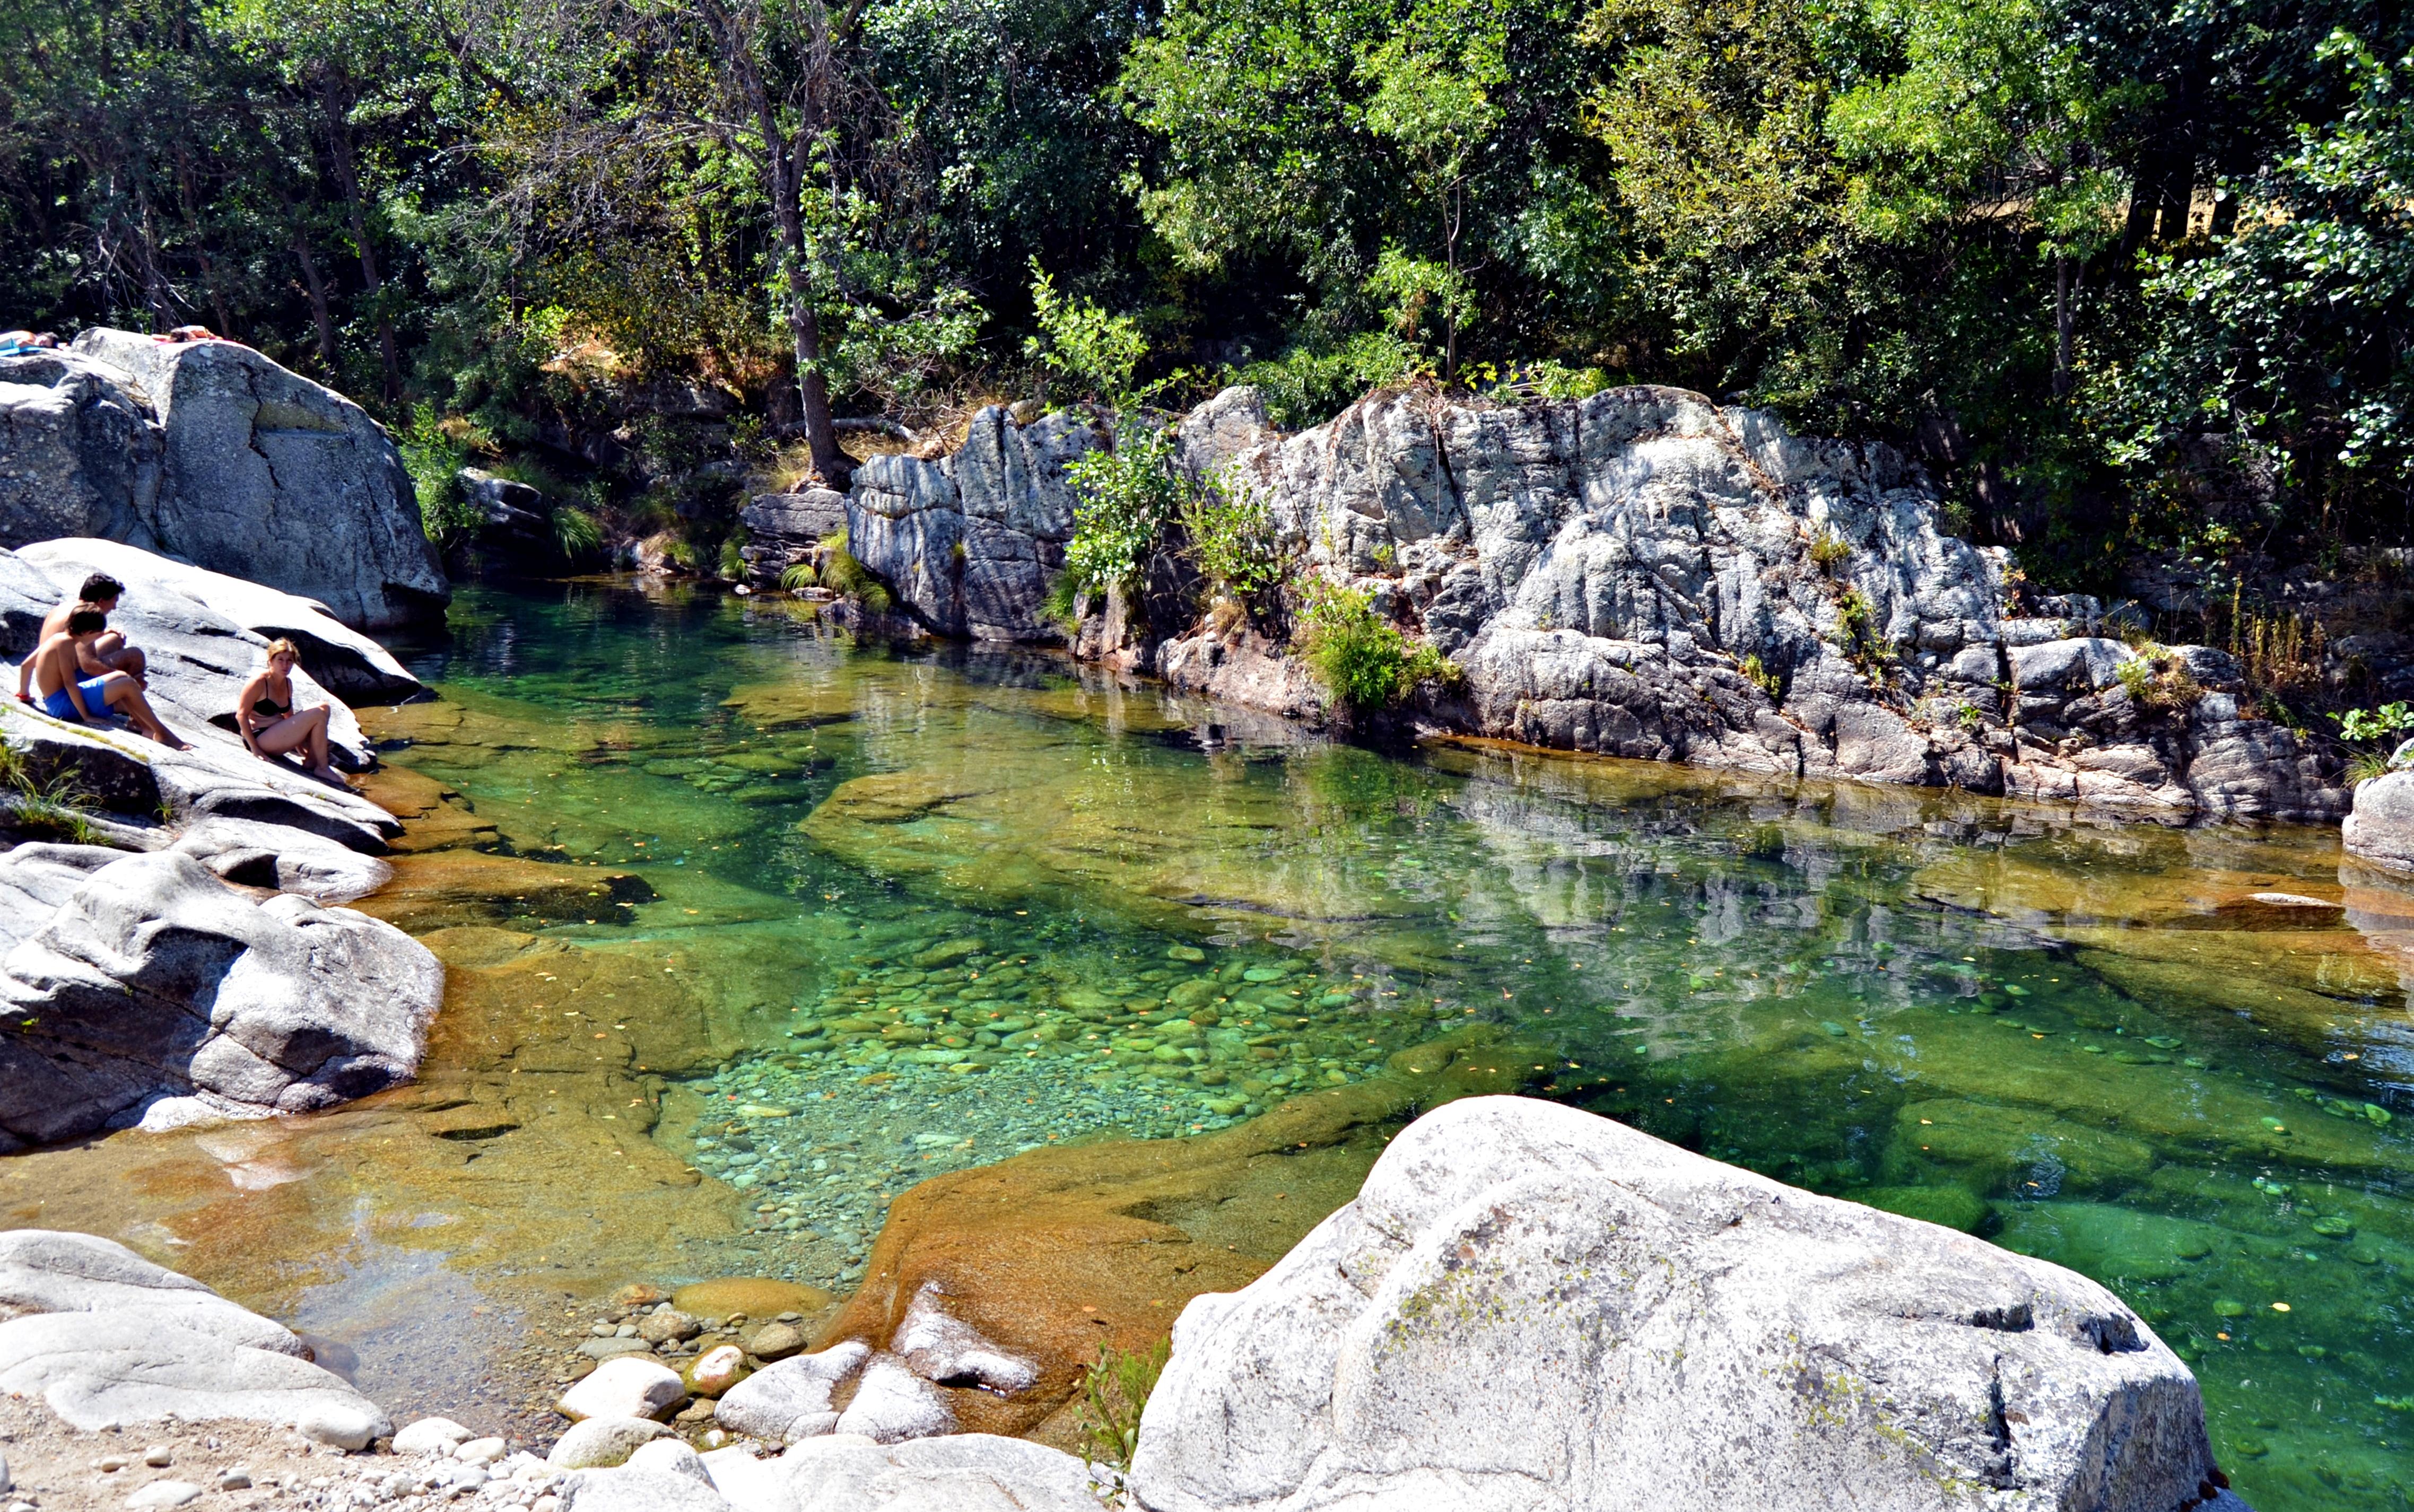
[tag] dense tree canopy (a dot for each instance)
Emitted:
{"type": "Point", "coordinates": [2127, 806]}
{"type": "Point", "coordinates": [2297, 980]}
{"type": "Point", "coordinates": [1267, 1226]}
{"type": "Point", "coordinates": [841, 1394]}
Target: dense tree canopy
{"type": "Point", "coordinates": [2068, 251]}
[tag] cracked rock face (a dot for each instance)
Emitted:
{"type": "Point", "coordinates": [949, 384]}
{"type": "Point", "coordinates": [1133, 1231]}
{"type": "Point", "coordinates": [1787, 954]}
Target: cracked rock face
{"type": "Point", "coordinates": [143, 988]}
{"type": "Point", "coordinates": [212, 452]}
{"type": "Point", "coordinates": [1528, 1306]}
{"type": "Point", "coordinates": [1641, 574]}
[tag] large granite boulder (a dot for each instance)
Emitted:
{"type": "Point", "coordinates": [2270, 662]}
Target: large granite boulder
{"type": "Point", "coordinates": [209, 451]}
{"type": "Point", "coordinates": [1529, 1307]}
{"type": "Point", "coordinates": [83, 455]}
{"type": "Point", "coordinates": [108, 1339]}
{"type": "Point", "coordinates": [142, 987]}
{"type": "Point", "coordinates": [188, 610]}
{"type": "Point", "coordinates": [847, 1472]}
{"type": "Point", "coordinates": [971, 543]}
{"type": "Point", "coordinates": [2380, 827]}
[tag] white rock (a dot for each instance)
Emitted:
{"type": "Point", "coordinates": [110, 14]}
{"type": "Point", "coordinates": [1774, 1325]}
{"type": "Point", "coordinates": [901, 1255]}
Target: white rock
{"type": "Point", "coordinates": [955, 1472]}
{"type": "Point", "coordinates": [790, 1399]}
{"type": "Point", "coordinates": [6, 1482]}
{"type": "Point", "coordinates": [164, 1493]}
{"type": "Point", "coordinates": [625, 1386]}
{"type": "Point", "coordinates": [49, 1270]}
{"type": "Point", "coordinates": [482, 1451]}
{"type": "Point", "coordinates": [891, 1403]}
{"type": "Point", "coordinates": [941, 1347]}
{"type": "Point", "coordinates": [1528, 1306]}
{"type": "Point", "coordinates": [430, 1436]}
{"type": "Point", "coordinates": [672, 1456]}
{"type": "Point", "coordinates": [641, 1490]}
{"type": "Point", "coordinates": [599, 1443]}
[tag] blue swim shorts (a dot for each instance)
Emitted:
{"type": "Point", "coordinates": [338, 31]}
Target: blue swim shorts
{"type": "Point", "coordinates": [59, 706]}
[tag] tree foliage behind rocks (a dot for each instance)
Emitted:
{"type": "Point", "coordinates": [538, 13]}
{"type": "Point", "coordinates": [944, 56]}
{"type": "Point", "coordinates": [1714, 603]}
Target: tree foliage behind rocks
{"type": "Point", "coordinates": [2127, 279]}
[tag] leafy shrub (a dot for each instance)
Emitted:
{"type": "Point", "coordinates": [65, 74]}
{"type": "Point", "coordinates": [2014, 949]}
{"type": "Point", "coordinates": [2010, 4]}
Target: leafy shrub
{"type": "Point", "coordinates": [2376, 724]}
{"type": "Point", "coordinates": [1830, 552]}
{"type": "Point", "coordinates": [1081, 343]}
{"type": "Point", "coordinates": [1113, 1393]}
{"type": "Point", "coordinates": [434, 457]}
{"type": "Point", "coordinates": [1123, 499]}
{"type": "Point", "coordinates": [1232, 541]}
{"type": "Point", "coordinates": [1310, 383]}
{"type": "Point", "coordinates": [1362, 659]}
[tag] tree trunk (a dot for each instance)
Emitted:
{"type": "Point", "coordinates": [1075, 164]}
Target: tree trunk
{"type": "Point", "coordinates": [782, 161]}
{"type": "Point", "coordinates": [2064, 316]}
{"type": "Point", "coordinates": [339, 150]}
{"type": "Point", "coordinates": [320, 314]}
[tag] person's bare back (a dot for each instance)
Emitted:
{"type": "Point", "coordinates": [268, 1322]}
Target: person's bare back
{"type": "Point", "coordinates": [107, 651]}
{"type": "Point", "coordinates": [60, 687]}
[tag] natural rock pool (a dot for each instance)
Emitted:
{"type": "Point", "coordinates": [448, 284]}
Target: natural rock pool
{"type": "Point", "coordinates": [750, 929]}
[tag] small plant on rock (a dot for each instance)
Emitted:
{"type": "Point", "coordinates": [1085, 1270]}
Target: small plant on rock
{"type": "Point", "coordinates": [1767, 681]}
{"type": "Point", "coordinates": [1232, 543]}
{"type": "Point", "coordinates": [842, 573]}
{"type": "Point", "coordinates": [1123, 499]}
{"type": "Point", "coordinates": [1830, 552]}
{"type": "Point", "coordinates": [1113, 1393]}
{"type": "Point", "coordinates": [2383, 726]}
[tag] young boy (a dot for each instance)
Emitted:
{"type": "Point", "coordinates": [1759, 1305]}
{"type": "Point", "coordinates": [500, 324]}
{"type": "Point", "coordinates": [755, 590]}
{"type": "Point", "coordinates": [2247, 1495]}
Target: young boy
{"type": "Point", "coordinates": [108, 651]}
{"type": "Point", "coordinates": [56, 674]}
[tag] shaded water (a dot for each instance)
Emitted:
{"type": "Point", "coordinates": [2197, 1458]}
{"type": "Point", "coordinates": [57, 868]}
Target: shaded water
{"type": "Point", "coordinates": [948, 905]}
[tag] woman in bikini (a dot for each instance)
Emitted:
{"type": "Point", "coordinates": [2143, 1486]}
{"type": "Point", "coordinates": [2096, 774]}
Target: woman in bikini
{"type": "Point", "coordinates": [272, 726]}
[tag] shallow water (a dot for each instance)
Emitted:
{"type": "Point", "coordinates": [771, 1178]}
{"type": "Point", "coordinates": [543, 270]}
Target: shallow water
{"type": "Point", "coordinates": [932, 908]}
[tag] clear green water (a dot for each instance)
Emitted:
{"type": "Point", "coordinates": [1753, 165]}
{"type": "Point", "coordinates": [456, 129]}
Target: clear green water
{"type": "Point", "coordinates": [1103, 908]}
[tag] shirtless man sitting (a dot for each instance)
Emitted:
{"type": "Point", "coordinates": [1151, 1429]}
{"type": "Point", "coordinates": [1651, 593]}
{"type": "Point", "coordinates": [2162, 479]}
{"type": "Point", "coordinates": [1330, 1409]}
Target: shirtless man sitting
{"type": "Point", "coordinates": [108, 651]}
{"type": "Point", "coordinates": [56, 674]}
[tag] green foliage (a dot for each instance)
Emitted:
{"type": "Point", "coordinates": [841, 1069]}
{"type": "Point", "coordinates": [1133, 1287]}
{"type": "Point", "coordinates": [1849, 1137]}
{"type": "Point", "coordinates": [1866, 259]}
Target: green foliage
{"type": "Point", "coordinates": [1830, 552]}
{"type": "Point", "coordinates": [1232, 543]}
{"type": "Point", "coordinates": [1362, 659]}
{"type": "Point", "coordinates": [55, 809]}
{"type": "Point", "coordinates": [1083, 345]}
{"type": "Point", "coordinates": [577, 532]}
{"type": "Point", "coordinates": [1309, 383]}
{"type": "Point", "coordinates": [1114, 1392]}
{"type": "Point", "coordinates": [1767, 681]}
{"type": "Point", "coordinates": [1123, 499]}
{"type": "Point", "coordinates": [800, 575]}
{"type": "Point", "coordinates": [434, 461]}
{"type": "Point", "coordinates": [842, 573]}
{"type": "Point", "coordinates": [2376, 724]}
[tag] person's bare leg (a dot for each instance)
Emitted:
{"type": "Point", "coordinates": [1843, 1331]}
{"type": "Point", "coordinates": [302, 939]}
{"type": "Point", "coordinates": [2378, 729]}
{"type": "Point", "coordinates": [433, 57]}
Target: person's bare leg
{"type": "Point", "coordinates": [124, 694]}
{"type": "Point", "coordinates": [110, 649]}
{"type": "Point", "coordinates": [318, 746]}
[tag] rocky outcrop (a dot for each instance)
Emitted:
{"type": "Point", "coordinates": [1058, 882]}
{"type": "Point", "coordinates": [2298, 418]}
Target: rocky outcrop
{"type": "Point", "coordinates": [1528, 1306]}
{"type": "Point", "coordinates": [782, 530]}
{"type": "Point", "coordinates": [209, 451]}
{"type": "Point", "coordinates": [108, 1339]}
{"type": "Point", "coordinates": [144, 988]}
{"type": "Point", "coordinates": [970, 544]}
{"type": "Point", "coordinates": [1645, 573]}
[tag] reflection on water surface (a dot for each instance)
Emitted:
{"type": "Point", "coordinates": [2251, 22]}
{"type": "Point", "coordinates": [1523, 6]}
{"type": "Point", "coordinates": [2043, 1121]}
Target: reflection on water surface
{"type": "Point", "coordinates": [881, 913]}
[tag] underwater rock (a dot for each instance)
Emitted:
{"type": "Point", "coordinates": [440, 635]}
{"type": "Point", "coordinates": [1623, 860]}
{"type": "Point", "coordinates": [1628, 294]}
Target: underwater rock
{"type": "Point", "coordinates": [1048, 1255]}
{"type": "Point", "coordinates": [1526, 1302]}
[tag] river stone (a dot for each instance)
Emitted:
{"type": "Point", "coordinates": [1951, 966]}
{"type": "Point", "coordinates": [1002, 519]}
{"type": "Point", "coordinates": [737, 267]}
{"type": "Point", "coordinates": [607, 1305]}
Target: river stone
{"type": "Point", "coordinates": [268, 474]}
{"type": "Point", "coordinates": [791, 1399]}
{"type": "Point", "coordinates": [714, 1371]}
{"type": "Point", "coordinates": [624, 1387]}
{"type": "Point", "coordinates": [259, 854]}
{"type": "Point", "coordinates": [955, 1472]}
{"type": "Point", "coordinates": [672, 1456]}
{"type": "Point", "coordinates": [1530, 1306]}
{"type": "Point", "coordinates": [163, 1494]}
{"type": "Point", "coordinates": [597, 1442]}
{"type": "Point", "coordinates": [775, 1341]}
{"type": "Point", "coordinates": [438, 1436]}
{"type": "Point", "coordinates": [156, 991]}
{"type": "Point", "coordinates": [628, 1489]}
{"type": "Point", "coordinates": [667, 1328]}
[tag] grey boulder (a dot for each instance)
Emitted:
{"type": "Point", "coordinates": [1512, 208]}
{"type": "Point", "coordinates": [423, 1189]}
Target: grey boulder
{"type": "Point", "coordinates": [849, 1472]}
{"type": "Point", "coordinates": [81, 454]}
{"type": "Point", "coordinates": [152, 990]}
{"type": "Point", "coordinates": [115, 1341]}
{"type": "Point", "coordinates": [265, 474]}
{"type": "Point", "coordinates": [1529, 1307]}
{"type": "Point", "coordinates": [2380, 827]}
